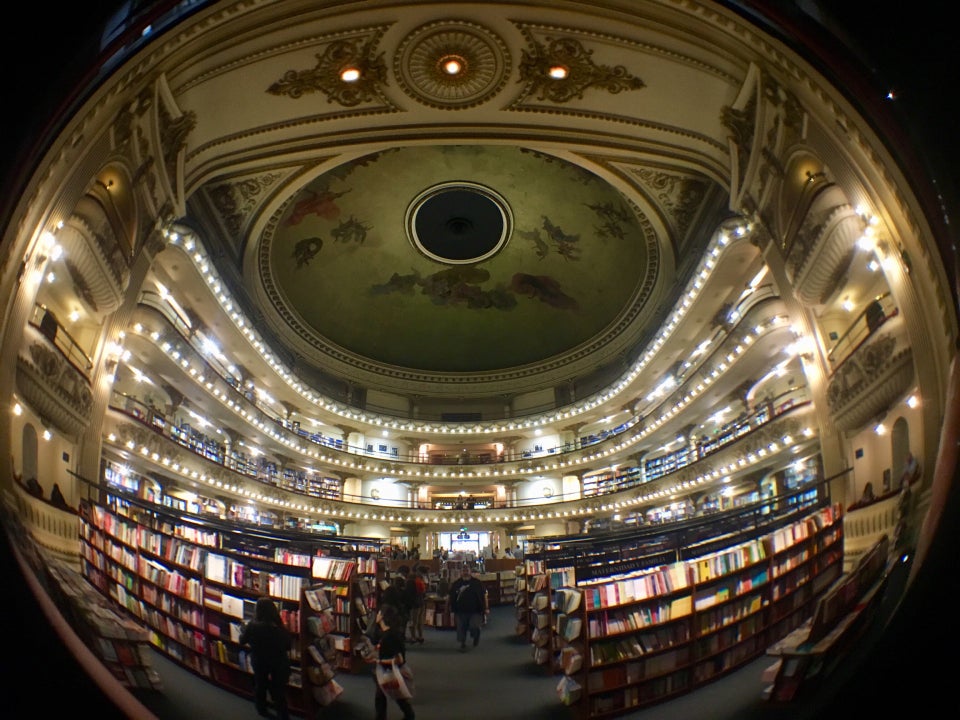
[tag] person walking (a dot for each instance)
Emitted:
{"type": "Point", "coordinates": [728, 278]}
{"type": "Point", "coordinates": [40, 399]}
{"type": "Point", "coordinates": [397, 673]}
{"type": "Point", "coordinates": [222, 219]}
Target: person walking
{"type": "Point", "coordinates": [468, 602]}
{"type": "Point", "coordinates": [269, 643]}
{"type": "Point", "coordinates": [416, 593]}
{"type": "Point", "coordinates": [396, 595]}
{"type": "Point", "coordinates": [392, 648]}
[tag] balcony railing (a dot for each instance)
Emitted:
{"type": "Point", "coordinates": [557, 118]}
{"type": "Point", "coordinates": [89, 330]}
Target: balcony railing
{"type": "Point", "coordinates": [297, 482]}
{"type": "Point", "coordinates": [51, 328]}
{"type": "Point", "coordinates": [878, 312]}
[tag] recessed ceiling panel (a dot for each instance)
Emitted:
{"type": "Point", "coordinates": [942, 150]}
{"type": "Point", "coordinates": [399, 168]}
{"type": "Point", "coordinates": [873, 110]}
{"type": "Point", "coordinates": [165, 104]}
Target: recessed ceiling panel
{"type": "Point", "coordinates": [456, 258]}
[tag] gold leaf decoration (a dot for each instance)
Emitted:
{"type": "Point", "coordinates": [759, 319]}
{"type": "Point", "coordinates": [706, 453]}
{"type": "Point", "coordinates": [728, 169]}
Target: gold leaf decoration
{"type": "Point", "coordinates": [581, 72]}
{"type": "Point", "coordinates": [480, 56]}
{"type": "Point", "coordinates": [325, 77]}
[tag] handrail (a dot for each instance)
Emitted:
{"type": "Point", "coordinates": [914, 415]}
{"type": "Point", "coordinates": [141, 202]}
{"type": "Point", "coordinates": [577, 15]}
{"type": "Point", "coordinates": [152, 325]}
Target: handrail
{"type": "Point", "coordinates": [233, 527]}
{"type": "Point", "coordinates": [478, 458]}
{"type": "Point", "coordinates": [623, 481]}
{"type": "Point", "coordinates": [50, 327]}
{"type": "Point", "coordinates": [869, 321]}
{"type": "Point", "coordinates": [651, 546]}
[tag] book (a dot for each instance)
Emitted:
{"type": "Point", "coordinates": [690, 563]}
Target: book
{"type": "Point", "coordinates": [232, 606]}
{"type": "Point", "coordinates": [317, 599]}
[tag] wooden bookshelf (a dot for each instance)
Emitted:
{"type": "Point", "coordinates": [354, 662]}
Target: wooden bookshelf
{"type": "Point", "coordinates": [122, 644]}
{"type": "Point", "coordinates": [194, 586]}
{"type": "Point", "coordinates": [810, 652]}
{"type": "Point", "coordinates": [318, 650]}
{"type": "Point", "coordinates": [438, 613]}
{"type": "Point", "coordinates": [521, 601]}
{"type": "Point", "coordinates": [507, 590]}
{"type": "Point", "coordinates": [645, 635]}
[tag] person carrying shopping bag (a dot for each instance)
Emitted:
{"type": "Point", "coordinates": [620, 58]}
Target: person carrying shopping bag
{"type": "Point", "coordinates": [394, 677]}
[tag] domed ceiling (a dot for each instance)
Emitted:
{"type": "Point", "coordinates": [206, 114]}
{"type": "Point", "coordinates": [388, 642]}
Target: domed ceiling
{"type": "Point", "coordinates": [465, 259]}
{"type": "Point", "coordinates": [493, 237]}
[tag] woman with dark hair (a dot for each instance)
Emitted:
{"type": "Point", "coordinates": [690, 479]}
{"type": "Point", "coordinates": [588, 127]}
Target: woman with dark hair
{"type": "Point", "coordinates": [269, 643]}
{"type": "Point", "coordinates": [391, 648]}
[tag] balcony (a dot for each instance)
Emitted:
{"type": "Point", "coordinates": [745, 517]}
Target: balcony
{"type": "Point", "coordinates": [872, 377]}
{"type": "Point", "coordinates": [52, 377]}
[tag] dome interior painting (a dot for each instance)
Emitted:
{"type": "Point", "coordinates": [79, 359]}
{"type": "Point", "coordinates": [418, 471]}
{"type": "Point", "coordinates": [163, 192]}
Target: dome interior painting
{"type": "Point", "coordinates": [349, 269]}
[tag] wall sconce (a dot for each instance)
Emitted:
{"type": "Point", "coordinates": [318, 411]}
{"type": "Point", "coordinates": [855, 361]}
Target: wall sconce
{"type": "Point", "coordinates": [879, 428]}
{"type": "Point", "coordinates": [48, 248]}
{"type": "Point", "coordinates": [112, 355]}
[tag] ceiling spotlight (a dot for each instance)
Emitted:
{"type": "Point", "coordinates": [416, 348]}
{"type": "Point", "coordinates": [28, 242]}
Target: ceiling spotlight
{"type": "Point", "coordinates": [558, 72]}
{"type": "Point", "coordinates": [452, 64]}
{"type": "Point", "coordinates": [350, 74]}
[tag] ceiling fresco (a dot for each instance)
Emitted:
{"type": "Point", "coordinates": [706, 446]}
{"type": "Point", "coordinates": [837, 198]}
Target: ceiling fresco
{"type": "Point", "coordinates": [348, 258]}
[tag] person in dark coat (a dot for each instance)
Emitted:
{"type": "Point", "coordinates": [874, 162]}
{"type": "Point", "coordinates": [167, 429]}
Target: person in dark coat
{"type": "Point", "coordinates": [396, 595]}
{"type": "Point", "coordinates": [391, 646]}
{"type": "Point", "coordinates": [57, 498]}
{"type": "Point", "coordinates": [468, 602]}
{"type": "Point", "coordinates": [269, 643]}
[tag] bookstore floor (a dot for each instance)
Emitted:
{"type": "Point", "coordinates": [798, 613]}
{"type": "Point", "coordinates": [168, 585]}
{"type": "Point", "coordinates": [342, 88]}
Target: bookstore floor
{"type": "Point", "coordinates": [495, 681]}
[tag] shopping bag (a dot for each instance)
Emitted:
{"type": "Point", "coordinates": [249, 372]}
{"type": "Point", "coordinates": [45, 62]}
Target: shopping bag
{"type": "Point", "coordinates": [395, 680]}
{"type": "Point", "coordinates": [366, 649]}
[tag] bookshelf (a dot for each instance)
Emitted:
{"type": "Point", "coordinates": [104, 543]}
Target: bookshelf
{"type": "Point", "coordinates": [318, 649]}
{"type": "Point", "coordinates": [811, 651]}
{"type": "Point", "coordinates": [569, 633]}
{"type": "Point", "coordinates": [645, 634]}
{"type": "Point", "coordinates": [491, 586]}
{"type": "Point", "coordinates": [194, 583]}
{"type": "Point", "coordinates": [507, 587]}
{"type": "Point", "coordinates": [537, 610]}
{"type": "Point", "coordinates": [438, 613]}
{"type": "Point", "coordinates": [122, 644]}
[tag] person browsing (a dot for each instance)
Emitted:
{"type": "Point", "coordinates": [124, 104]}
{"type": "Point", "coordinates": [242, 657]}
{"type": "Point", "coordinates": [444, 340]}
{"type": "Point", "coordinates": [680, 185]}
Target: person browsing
{"type": "Point", "coordinates": [269, 643]}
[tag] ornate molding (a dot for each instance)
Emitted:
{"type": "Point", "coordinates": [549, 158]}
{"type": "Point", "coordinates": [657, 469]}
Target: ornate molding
{"type": "Point", "coordinates": [823, 247]}
{"type": "Point", "coordinates": [869, 382]}
{"type": "Point", "coordinates": [681, 197]}
{"type": "Point", "coordinates": [325, 76]}
{"type": "Point", "coordinates": [173, 136]}
{"type": "Point", "coordinates": [95, 263]}
{"type": "Point", "coordinates": [481, 56]}
{"type": "Point", "coordinates": [237, 199]}
{"type": "Point", "coordinates": [56, 390]}
{"type": "Point", "coordinates": [582, 73]}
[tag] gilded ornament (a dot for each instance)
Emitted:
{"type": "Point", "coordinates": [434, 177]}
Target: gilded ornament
{"type": "Point", "coordinates": [452, 64]}
{"type": "Point", "coordinates": [327, 75]}
{"type": "Point", "coordinates": [580, 72]}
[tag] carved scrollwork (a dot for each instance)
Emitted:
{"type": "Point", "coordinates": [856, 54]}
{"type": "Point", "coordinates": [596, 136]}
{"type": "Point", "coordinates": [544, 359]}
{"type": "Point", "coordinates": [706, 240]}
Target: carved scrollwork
{"type": "Point", "coordinates": [423, 62]}
{"type": "Point", "coordinates": [859, 369]}
{"type": "Point", "coordinates": [49, 362]}
{"type": "Point", "coordinates": [582, 72]}
{"type": "Point", "coordinates": [324, 77]}
{"type": "Point", "coordinates": [128, 432]}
